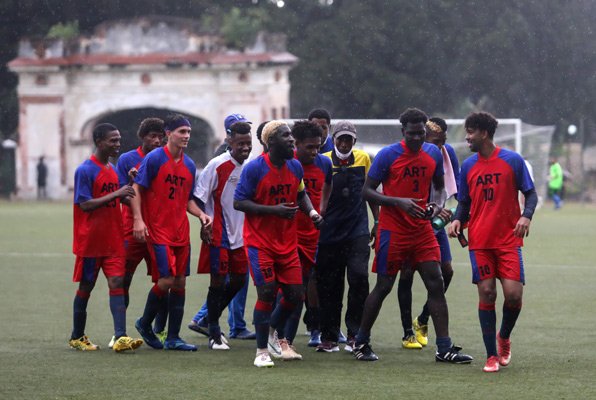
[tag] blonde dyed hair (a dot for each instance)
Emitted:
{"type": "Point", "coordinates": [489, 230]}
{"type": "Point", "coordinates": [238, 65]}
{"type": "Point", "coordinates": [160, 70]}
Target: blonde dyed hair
{"type": "Point", "coordinates": [270, 129]}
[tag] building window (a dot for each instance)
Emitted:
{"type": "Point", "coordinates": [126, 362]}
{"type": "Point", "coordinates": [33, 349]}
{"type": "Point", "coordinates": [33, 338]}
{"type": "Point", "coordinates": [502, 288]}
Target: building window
{"type": "Point", "coordinates": [274, 113]}
{"type": "Point", "coordinates": [41, 80]}
{"type": "Point", "coordinates": [145, 78]}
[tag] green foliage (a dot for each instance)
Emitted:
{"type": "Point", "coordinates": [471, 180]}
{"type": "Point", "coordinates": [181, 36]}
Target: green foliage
{"type": "Point", "coordinates": [240, 27]}
{"type": "Point", "coordinates": [68, 30]}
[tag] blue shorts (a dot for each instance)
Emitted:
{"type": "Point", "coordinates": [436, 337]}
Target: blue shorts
{"type": "Point", "coordinates": [443, 241]}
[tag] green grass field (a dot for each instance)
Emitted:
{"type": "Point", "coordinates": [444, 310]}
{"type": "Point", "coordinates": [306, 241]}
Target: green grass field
{"type": "Point", "coordinates": [554, 343]}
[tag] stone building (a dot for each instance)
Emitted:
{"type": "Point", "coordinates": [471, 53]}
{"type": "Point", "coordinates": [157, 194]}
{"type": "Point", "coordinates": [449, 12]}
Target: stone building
{"type": "Point", "coordinates": [127, 70]}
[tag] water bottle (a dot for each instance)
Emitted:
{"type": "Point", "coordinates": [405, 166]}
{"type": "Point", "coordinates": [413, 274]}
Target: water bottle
{"type": "Point", "coordinates": [438, 223]}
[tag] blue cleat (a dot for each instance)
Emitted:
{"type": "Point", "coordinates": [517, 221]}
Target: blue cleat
{"type": "Point", "coordinates": [315, 338]}
{"type": "Point", "coordinates": [148, 335]}
{"type": "Point", "coordinates": [342, 339]}
{"type": "Point", "coordinates": [179, 344]}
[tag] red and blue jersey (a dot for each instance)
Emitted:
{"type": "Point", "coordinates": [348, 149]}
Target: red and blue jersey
{"type": "Point", "coordinates": [168, 187]}
{"type": "Point", "coordinates": [97, 233]}
{"type": "Point", "coordinates": [128, 160]}
{"type": "Point", "coordinates": [215, 187]}
{"type": "Point", "coordinates": [264, 183]}
{"type": "Point", "coordinates": [404, 173]}
{"type": "Point", "coordinates": [491, 185]}
{"type": "Point", "coordinates": [315, 175]}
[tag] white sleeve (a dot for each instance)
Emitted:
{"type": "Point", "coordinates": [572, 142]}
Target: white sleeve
{"type": "Point", "coordinates": [206, 181]}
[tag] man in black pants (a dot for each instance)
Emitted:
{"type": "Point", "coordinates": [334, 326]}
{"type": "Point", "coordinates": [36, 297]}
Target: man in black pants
{"type": "Point", "coordinates": [344, 239]}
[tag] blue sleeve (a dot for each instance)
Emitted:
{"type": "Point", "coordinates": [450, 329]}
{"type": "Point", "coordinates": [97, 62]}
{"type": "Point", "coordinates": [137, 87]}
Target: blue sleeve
{"type": "Point", "coordinates": [83, 185]}
{"type": "Point", "coordinates": [192, 168]}
{"type": "Point", "coordinates": [249, 179]}
{"type": "Point", "coordinates": [327, 169]}
{"type": "Point", "coordinates": [122, 169]}
{"type": "Point", "coordinates": [148, 170]}
{"type": "Point", "coordinates": [435, 153]}
{"type": "Point", "coordinates": [522, 175]}
{"type": "Point", "coordinates": [379, 169]}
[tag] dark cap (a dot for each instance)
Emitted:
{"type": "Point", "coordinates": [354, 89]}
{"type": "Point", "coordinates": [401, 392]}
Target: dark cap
{"type": "Point", "coordinates": [341, 128]}
{"type": "Point", "coordinates": [232, 119]}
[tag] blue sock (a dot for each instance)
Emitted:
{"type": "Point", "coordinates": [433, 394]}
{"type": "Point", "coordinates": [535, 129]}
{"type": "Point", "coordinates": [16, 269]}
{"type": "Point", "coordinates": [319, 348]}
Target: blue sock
{"type": "Point", "coordinates": [262, 317]}
{"type": "Point", "coordinates": [281, 313]}
{"type": "Point", "coordinates": [118, 309]}
{"type": "Point", "coordinates": [291, 326]}
{"type": "Point", "coordinates": [362, 337]}
{"type": "Point", "coordinates": [488, 323]}
{"type": "Point", "coordinates": [510, 314]}
{"type": "Point", "coordinates": [152, 305]}
{"type": "Point", "coordinates": [175, 312]}
{"type": "Point", "coordinates": [79, 315]}
{"type": "Point", "coordinates": [161, 318]}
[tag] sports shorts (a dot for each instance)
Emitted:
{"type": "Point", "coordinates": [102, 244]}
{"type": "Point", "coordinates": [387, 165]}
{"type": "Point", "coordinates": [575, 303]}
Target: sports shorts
{"type": "Point", "coordinates": [86, 269]}
{"type": "Point", "coordinates": [168, 260]}
{"type": "Point", "coordinates": [307, 253]}
{"type": "Point", "coordinates": [394, 250]}
{"type": "Point", "coordinates": [497, 263]}
{"type": "Point", "coordinates": [135, 253]}
{"type": "Point", "coordinates": [221, 261]}
{"type": "Point", "coordinates": [267, 267]}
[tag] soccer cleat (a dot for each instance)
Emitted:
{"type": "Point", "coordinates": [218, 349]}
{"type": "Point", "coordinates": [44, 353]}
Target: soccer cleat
{"type": "Point", "coordinates": [162, 336]}
{"type": "Point", "coordinates": [273, 345]}
{"type": "Point", "coordinates": [349, 347]}
{"type": "Point", "coordinates": [83, 344]}
{"type": "Point", "coordinates": [218, 343]}
{"type": "Point", "coordinates": [111, 344]}
{"type": "Point", "coordinates": [492, 364]}
{"type": "Point", "coordinates": [288, 352]}
{"type": "Point", "coordinates": [453, 356]}
{"type": "Point", "coordinates": [199, 326]}
{"type": "Point", "coordinates": [341, 338]}
{"type": "Point", "coordinates": [244, 334]}
{"type": "Point", "coordinates": [263, 360]}
{"type": "Point", "coordinates": [125, 343]}
{"type": "Point", "coordinates": [148, 335]}
{"type": "Point", "coordinates": [179, 345]}
{"type": "Point", "coordinates": [410, 342]}
{"type": "Point", "coordinates": [327, 347]}
{"type": "Point", "coordinates": [364, 352]}
{"type": "Point", "coordinates": [504, 350]}
{"type": "Point", "coordinates": [421, 332]}
{"type": "Point", "coordinates": [315, 338]}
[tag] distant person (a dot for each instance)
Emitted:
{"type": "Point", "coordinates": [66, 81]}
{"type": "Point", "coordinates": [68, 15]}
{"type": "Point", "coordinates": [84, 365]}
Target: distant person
{"type": "Point", "coordinates": [321, 117]}
{"type": "Point", "coordinates": [488, 201]}
{"type": "Point", "coordinates": [411, 172]}
{"type": "Point", "coordinates": [151, 134]}
{"type": "Point", "coordinates": [555, 182]}
{"type": "Point", "coordinates": [98, 240]}
{"type": "Point", "coordinates": [163, 196]}
{"type": "Point", "coordinates": [42, 179]}
{"type": "Point", "coordinates": [436, 133]}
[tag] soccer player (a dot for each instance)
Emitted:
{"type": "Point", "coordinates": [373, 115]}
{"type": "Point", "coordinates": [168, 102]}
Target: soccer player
{"type": "Point", "coordinates": [317, 180]}
{"type": "Point", "coordinates": [436, 133]}
{"type": "Point", "coordinates": [344, 241]}
{"type": "Point", "coordinates": [321, 117]}
{"type": "Point", "coordinates": [406, 170]}
{"type": "Point", "coordinates": [228, 122]}
{"type": "Point", "coordinates": [224, 257]}
{"type": "Point", "coordinates": [269, 193]}
{"type": "Point", "coordinates": [98, 240]}
{"type": "Point", "coordinates": [164, 188]}
{"type": "Point", "coordinates": [151, 133]}
{"type": "Point", "coordinates": [488, 201]}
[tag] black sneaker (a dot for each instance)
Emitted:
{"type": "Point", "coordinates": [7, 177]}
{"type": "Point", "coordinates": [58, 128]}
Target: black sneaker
{"type": "Point", "coordinates": [364, 352]}
{"type": "Point", "coordinates": [453, 356]}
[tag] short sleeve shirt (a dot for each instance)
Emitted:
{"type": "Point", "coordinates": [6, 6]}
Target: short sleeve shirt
{"type": "Point", "coordinates": [128, 160]}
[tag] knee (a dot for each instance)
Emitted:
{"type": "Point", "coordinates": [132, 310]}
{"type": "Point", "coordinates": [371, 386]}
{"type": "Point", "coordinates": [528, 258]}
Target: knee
{"type": "Point", "coordinates": [383, 288]}
{"type": "Point", "coordinates": [447, 271]}
{"type": "Point", "coordinates": [267, 293]}
{"type": "Point", "coordinates": [116, 282]}
{"type": "Point", "coordinates": [513, 300]}
{"type": "Point", "coordinates": [488, 295]}
{"type": "Point", "coordinates": [295, 294]}
{"type": "Point", "coordinates": [165, 284]}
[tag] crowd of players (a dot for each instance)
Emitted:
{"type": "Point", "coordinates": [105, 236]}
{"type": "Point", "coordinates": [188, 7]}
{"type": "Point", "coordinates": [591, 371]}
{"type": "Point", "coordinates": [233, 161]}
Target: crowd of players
{"type": "Point", "coordinates": [296, 218]}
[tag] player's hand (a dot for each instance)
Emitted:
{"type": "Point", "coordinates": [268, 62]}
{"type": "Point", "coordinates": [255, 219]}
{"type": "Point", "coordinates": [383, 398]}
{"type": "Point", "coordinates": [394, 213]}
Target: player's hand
{"type": "Point", "coordinates": [522, 228]}
{"type": "Point", "coordinates": [207, 234]}
{"type": "Point", "coordinates": [285, 210]}
{"type": "Point", "coordinates": [411, 207]}
{"type": "Point", "coordinates": [132, 174]}
{"type": "Point", "coordinates": [445, 214]}
{"type": "Point", "coordinates": [318, 220]}
{"type": "Point", "coordinates": [454, 228]}
{"type": "Point", "coordinates": [373, 235]}
{"type": "Point", "coordinates": [139, 230]}
{"type": "Point", "coordinates": [206, 220]}
{"type": "Point", "coordinates": [435, 210]}
{"type": "Point", "coordinates": [125, 191]}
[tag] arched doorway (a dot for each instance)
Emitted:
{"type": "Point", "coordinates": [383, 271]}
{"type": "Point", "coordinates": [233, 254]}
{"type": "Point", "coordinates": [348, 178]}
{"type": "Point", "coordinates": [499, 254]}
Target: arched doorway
{"type": "Point", "coordinates": [128, 121]}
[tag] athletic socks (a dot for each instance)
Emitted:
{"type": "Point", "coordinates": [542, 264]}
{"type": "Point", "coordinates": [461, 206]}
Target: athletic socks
{"type": "Point", "coordinates": [281, 313]}
{"type": "Point", "coordinates": [443, 344]}
{"type": "Point", "coordinates": [175, 311]}
{"type": "Point", "coordinates": [262, 317]}
{"type": "Point", "coordinates": [510, 314]}
{"type": "Point", "coordinates": [118, 309]}
{"type": "Point", "coordinates": [404, 297]}
{"type": "Point", "coordinates": [79, 315]}
{"type": "Point", "coordinates": [152, 305]}
{"type": "Point", "coordinates": [488, 322]}
{"type": "Point", "coordinates": [291, 326]}
{"type": "Point", "coordinates": [161, 318]}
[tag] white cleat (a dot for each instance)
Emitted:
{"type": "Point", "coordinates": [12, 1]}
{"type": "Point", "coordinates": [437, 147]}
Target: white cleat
{"type": "Point", "coordinates": [263, 360]}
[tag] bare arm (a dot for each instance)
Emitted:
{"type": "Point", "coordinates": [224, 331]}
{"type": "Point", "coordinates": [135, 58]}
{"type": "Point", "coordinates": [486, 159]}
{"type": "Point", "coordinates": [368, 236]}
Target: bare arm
{"type": "Point", "coordinates": [409, 205]}
{"type": "Point", "coordinates": [306, 206]}
{"type": "Point", "coordinates": [325, 195]}
{"type": "Point", "coordinates": [94, 204]}
{"type": "Point", "coordinates": [139, 229]}
{"type": "Point", "coordinates": [284, 210]}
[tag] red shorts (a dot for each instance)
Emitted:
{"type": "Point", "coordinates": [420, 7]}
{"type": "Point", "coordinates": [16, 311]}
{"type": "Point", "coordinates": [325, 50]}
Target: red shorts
{"type": "Point", "coordinates": [135, 253]}
{"type": "Point", "coordinates": [86, 269]}
{"type": "Point", "coordinates": [267, 267]}
{"type": "Point", "coordinates": [221, 261]}
{"type": "Point", "coordinates": [307, 253]}
{"type": "Point", "coordinates": [497, 263]}
{"type": "Point", "coordinates": [169, 261]}
{"type": "Point", "coordinates": [392, 253]}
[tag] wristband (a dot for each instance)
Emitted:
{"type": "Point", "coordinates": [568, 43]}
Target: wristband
{"type": "Point", "coordinates": [312, 213]}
